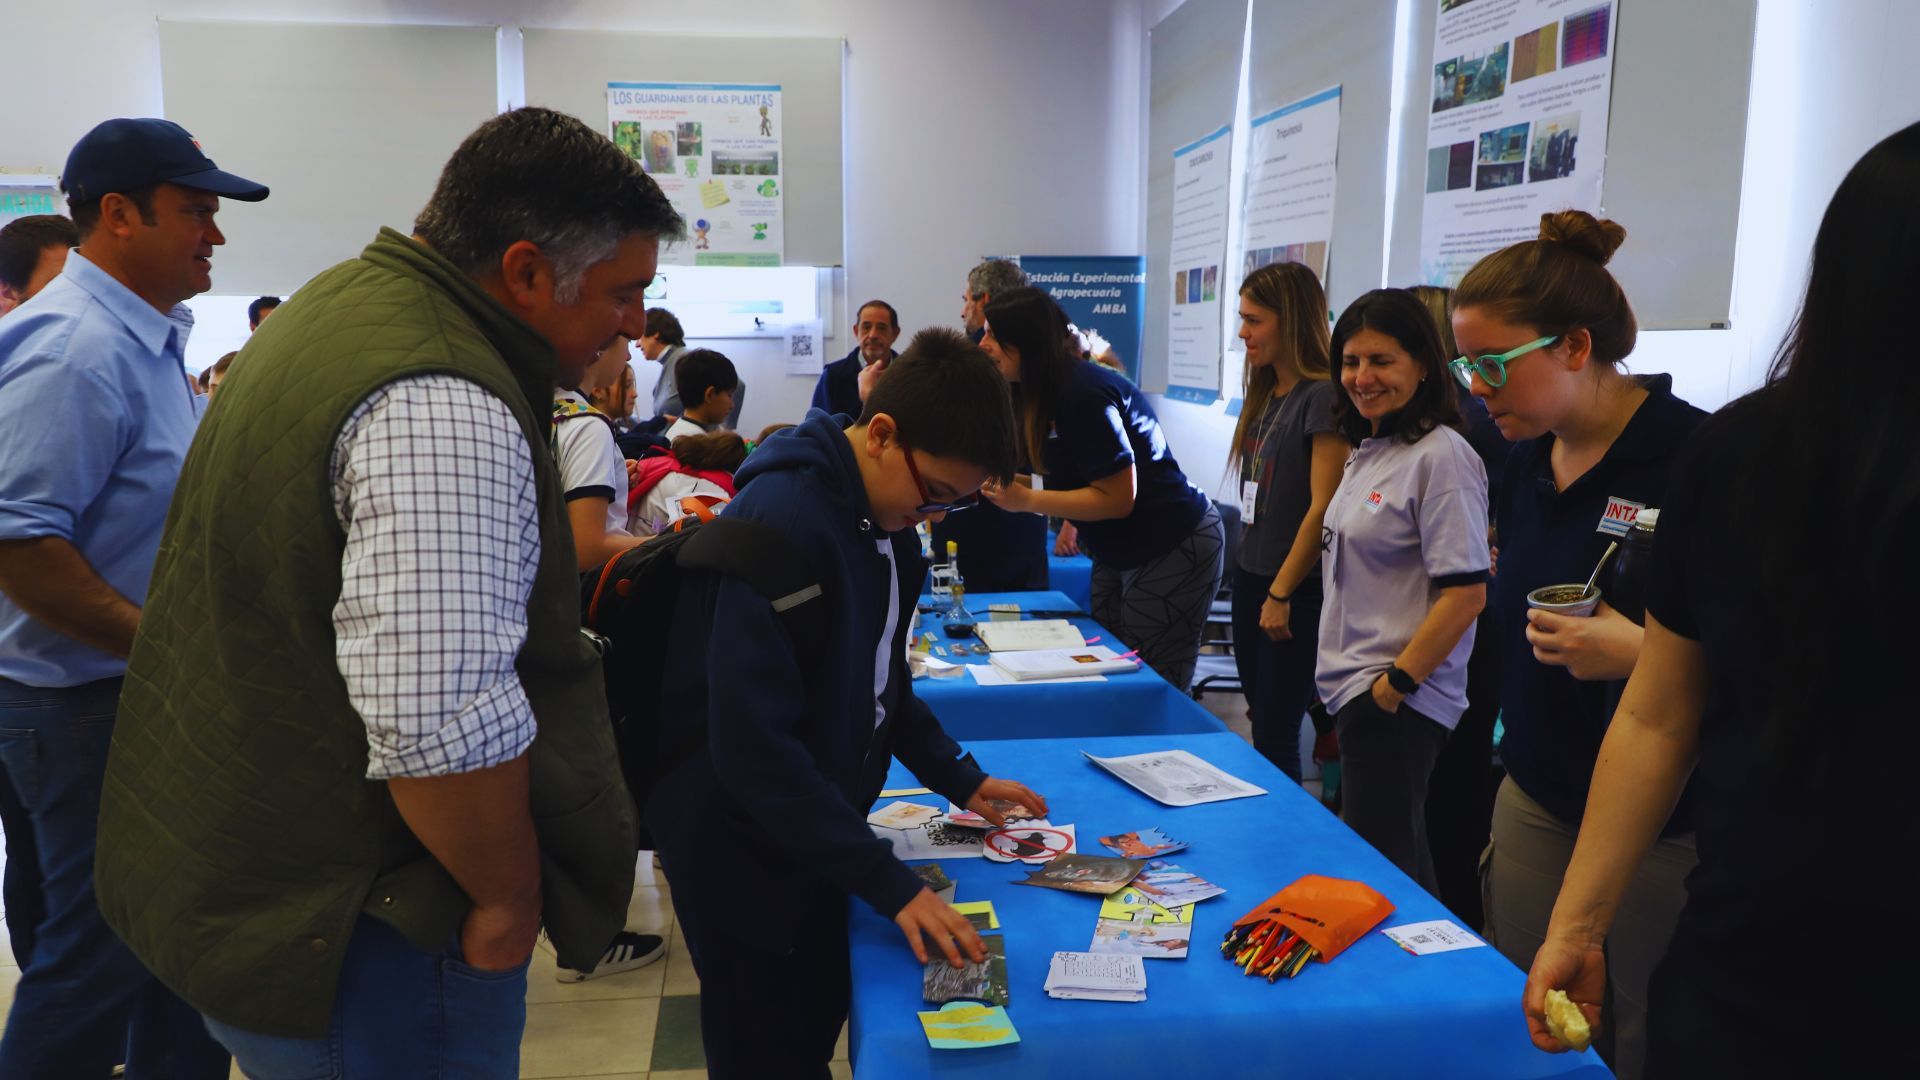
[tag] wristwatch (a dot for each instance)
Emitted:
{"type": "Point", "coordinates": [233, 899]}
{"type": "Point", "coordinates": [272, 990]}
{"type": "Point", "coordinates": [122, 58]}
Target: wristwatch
{"type": "Point", "coordinates": [1401, 682]}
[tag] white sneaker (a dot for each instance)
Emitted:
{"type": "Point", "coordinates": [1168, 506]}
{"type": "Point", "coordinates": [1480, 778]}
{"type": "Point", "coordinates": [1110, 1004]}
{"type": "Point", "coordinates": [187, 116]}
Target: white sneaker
{"type": "Point", "coordinates": [628, 952]}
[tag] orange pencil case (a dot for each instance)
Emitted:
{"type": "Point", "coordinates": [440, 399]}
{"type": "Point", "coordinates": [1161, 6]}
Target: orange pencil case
{"type": "Point", "coordinates": [1330, 913]}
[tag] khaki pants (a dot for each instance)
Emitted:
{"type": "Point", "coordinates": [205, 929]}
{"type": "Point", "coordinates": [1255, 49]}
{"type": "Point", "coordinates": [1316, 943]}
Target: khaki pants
{"type": "Point", "coordinates": [1520, 875]}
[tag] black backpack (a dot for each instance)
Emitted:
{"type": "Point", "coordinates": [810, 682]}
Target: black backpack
{"type": "Point", "coordinates": [629, 602]}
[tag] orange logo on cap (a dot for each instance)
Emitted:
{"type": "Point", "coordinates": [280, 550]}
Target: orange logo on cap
{"type": "Point", "coordinates": [197, 146]}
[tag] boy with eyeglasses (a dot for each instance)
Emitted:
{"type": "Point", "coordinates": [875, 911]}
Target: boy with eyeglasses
{"type": "Point", "coordinates": [774, 798]}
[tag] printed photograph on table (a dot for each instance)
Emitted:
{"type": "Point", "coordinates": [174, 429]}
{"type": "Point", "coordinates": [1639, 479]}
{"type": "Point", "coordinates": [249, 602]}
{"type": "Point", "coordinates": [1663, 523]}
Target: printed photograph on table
{"type": "Point", "coordinates": [1536, 52]}
{"type": "Point", "coordinates": [1469, 80]}
{"type": "Point", "coordinates": [985, 981]}
{"type": "Point", "coordinates": [1173, 886]}
{"type": "Point", "coordinates": [1008, 810]}
{"type": "Point", "coordinates": [1144, 844]}
{"type": "Point", "coordinates": [1132, 905]}
{"type": "Point", "coordinates": [1584, 36]}
{"type": "Point", "coordinates": [1153, 940]}
{"type": "Point", "coordinates": [1503, 157]}
{"type": "Point", "coordinates": [1554, 142]}
{"type": "Point", "coordinates": [1094, 874]}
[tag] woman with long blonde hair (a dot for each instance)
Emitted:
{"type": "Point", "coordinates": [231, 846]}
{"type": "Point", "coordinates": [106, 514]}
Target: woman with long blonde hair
{"type": "Point", "coordinates": [1288, 455]}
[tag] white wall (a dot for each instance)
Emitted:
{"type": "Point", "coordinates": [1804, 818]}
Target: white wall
{"type": "Point", "coordinates": [971, 127]}
{"type": "Point", "coordinates": [1003, 125]}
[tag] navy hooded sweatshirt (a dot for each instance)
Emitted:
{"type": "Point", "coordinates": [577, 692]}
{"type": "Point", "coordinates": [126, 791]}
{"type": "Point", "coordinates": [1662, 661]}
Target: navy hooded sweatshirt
{"type": "Point", "coordinates": [793, 760]}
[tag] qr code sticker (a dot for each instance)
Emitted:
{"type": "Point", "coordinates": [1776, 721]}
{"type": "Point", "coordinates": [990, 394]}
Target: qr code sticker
{"type": "Point", "coordinates": [940, 834]}
{"type": "Point", "coordinates": [802, 345]}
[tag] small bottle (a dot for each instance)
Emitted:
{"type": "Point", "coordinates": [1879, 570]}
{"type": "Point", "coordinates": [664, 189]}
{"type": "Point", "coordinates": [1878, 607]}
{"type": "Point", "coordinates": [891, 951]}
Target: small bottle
{"type": "Point", "coordinates": [956, 585]}
{"type": "Point", "coordinates": [1633, 566]}
{"type": "Point", "coordinates": [942, 577]}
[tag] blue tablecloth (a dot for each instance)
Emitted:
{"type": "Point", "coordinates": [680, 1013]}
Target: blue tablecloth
{"type": "Point", "coordinates": [1137, 703]}
{"type": "Point", "coordinates": [1070, 574]}
{"type": "Point", "coordinates": [1374, 1011]}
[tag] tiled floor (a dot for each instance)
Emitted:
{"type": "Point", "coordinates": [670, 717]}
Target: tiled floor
{"type": "Point", "coordinates": [640, 1025]}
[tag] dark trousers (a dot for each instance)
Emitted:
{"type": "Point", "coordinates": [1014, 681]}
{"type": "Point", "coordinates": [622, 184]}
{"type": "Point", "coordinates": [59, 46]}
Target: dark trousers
{"type": "Point", "coordinates": [85, 1004]}
{"type": "Point", "coordinates": [20, 883]}
{"type": "Point", "coordinates": [1385, 760]}
{"type": "Point", "coordinates": [808, 981]}
{"type": "Point", "coordinates": [1276, 676]}
{"type": "Point", "coordinates": [1464, 782]}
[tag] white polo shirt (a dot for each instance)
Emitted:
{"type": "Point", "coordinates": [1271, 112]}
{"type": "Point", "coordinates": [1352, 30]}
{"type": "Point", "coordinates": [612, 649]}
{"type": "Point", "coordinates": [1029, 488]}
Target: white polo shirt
{"type": "Point", "coordinates": [1406, 521]}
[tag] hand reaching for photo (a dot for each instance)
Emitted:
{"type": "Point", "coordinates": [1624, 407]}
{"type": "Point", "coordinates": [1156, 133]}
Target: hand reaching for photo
{"type": "Point", "coordinates": [1009, 791]}
{"type": "Point", "coordinates": [926, 916]}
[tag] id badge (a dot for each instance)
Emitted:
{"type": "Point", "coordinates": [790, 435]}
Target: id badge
{"type": "Point", "coordinates": [1249, 500]}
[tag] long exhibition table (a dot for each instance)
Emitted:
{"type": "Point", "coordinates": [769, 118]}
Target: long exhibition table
{"type": "Point", "coordinates": [1137, 703]}
{"type": "Point", "coordinates": [1375, 1011]}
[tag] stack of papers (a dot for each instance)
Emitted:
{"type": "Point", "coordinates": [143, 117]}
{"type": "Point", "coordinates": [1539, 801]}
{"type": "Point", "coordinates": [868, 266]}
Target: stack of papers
{"type": "Point", "coordinates": [1061, 663]}
{"type": "Point", "coordinates": [1094, 977]}
{"type": "Point", "coordinates": [1031, 635]}
{"type": "Point", "coordinates": [1175, 777]}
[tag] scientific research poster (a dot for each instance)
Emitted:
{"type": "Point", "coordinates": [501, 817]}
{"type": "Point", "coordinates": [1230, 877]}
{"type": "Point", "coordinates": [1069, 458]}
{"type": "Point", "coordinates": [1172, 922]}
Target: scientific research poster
{"type": "Point", "coordinates": [1518, 125]}
{"type": "Point", "coordinates": [1287, 214]}
{"type": "Point", "coordinates": [1199, 246]}
{"type": "Point", "coordinates": [714, 148]}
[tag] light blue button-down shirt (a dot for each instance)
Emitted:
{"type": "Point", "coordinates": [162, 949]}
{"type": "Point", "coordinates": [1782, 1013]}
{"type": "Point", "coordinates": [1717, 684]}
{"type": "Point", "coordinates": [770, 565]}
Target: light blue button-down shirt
{"type": "Point", "coordinates": [95, 418]}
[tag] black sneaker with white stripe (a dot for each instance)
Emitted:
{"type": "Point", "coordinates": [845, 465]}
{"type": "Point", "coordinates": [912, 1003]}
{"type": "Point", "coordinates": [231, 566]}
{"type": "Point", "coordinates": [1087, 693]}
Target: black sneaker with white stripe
{"type": "Point", "coordinates": [628, 952]}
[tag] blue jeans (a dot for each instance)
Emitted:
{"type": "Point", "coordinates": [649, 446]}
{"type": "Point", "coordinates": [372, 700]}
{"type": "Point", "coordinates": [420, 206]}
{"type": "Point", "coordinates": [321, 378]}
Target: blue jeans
{"type": "Point", "coordinates": [1276, 676]}
{"type": "Point", "coordinates": [399, 1012]}
{"type": "Point", "coordinates": [84, 1004]}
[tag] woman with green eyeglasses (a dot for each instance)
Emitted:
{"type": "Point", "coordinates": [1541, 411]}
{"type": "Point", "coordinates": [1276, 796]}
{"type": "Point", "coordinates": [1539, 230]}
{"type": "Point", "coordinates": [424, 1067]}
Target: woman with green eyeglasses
{"type": "Point", "coordinates": [1543, 329]}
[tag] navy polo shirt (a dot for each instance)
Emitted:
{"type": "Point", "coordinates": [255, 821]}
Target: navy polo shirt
{"type": "Point", "coordinates": [1554, 722]}
{"type": "Point", "coordinates": [1101, 424]}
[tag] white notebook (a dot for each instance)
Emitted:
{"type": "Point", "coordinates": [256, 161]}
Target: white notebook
{"type": "Point", "coordinates": [1031, 634]}
{"type": "Point", "coordinates": [1176, 778]}
{"type": "Point", "coordinates": [1062, 663]}
{"type": "Point", "coordinates": [1096, 977]}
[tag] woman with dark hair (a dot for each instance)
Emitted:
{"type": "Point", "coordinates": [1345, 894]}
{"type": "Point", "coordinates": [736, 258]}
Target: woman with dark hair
{"type": "Point", "coordinates": [1155, 540]}
{"type": "Point", "coordinates": [1290, 457]}
{"type": "Point", "coordinates": [1545, 329]}
{"type": "Point", "coordinates": [1787, 536]}
{"type": "Point", "coordinates": [1405, 572]}
{"type": "Point", "coordinates": [699, 467]}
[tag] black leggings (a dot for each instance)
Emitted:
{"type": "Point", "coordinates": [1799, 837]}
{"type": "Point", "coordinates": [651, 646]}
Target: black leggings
{"type": "Point", "coordinates": [1161, 606]}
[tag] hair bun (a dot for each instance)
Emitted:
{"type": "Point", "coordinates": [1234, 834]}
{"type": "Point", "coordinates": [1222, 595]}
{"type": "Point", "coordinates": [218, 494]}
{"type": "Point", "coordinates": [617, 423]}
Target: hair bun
{"type": "Point", "coordinates": [1593, 237]}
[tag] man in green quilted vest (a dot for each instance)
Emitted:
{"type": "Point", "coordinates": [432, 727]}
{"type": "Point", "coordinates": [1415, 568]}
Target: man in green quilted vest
{"type": "Point", "coordinates": [363, 752]}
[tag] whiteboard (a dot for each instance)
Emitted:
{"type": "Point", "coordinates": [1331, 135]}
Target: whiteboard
{"type": "Point", "coordinates": [569, 70]}
{"type": "Point", "coordinates": [1676, 146]}
{"type": "Point", "coordinates": [349, 126]}
{"type": "Point", "coordinates": [1194, 78]}
{"type": "Point", "coordinates": [1300, 47]}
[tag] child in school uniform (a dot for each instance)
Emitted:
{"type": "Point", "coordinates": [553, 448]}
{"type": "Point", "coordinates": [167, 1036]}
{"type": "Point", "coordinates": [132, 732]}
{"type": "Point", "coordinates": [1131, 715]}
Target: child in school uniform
{"type": "Point", "coordinates": [762, 829]}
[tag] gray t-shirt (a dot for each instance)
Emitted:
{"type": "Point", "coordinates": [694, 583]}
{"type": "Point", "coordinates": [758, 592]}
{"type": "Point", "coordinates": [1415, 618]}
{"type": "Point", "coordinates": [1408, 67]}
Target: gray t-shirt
{"type": "Point", "coordinates": [1406, 522]}
{"type": "Point", "coordinates": [1277, 460]}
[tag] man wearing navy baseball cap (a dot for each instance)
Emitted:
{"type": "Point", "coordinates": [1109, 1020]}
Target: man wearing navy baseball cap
{"type": "Point", "coordinates": [97, 412]}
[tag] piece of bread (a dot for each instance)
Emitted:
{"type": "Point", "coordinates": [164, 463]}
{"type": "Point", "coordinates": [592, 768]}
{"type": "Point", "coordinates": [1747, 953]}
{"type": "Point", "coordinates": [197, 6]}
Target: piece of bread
{"type": "Point", "coordinates": [1566, 1022]}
